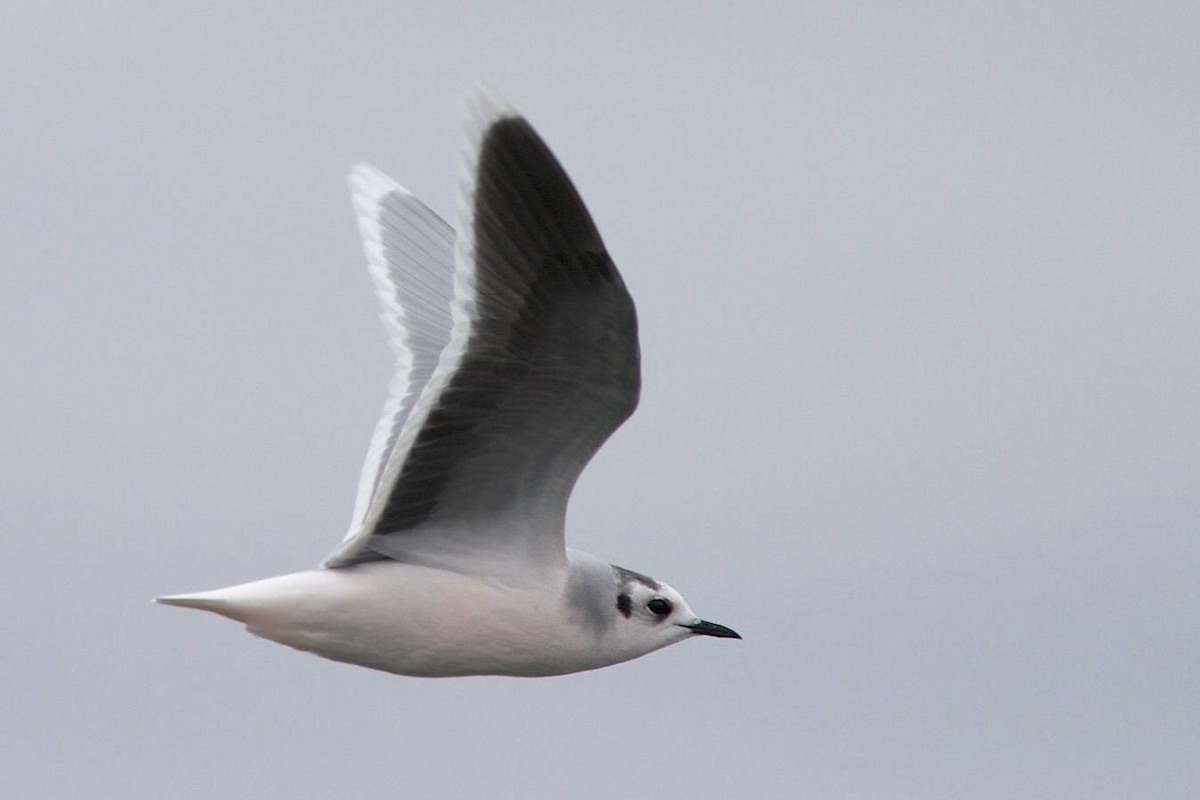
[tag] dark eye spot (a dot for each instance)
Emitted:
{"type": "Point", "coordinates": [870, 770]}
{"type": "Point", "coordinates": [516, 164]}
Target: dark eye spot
{"type": "Point", "coordinates": [659, 607]}
{"type": "Point", "coordinates": [624, 605]}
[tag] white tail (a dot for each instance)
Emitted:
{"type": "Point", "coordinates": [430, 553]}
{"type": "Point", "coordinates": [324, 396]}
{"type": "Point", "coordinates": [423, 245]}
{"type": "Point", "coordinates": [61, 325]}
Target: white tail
{"type": "Point", "coordinates": [215, 601]}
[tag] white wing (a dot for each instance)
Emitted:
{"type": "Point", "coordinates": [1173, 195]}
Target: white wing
{"type": "Point", "coordinates": [410, 254]}
{"type": "Point", "coordinates": [540, 369]}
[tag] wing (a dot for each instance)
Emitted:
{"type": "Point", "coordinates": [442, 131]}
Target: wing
{"type": "Point", "coordinates": [410, 254]}
{"type": "Point", "coordinates": [542, 366]}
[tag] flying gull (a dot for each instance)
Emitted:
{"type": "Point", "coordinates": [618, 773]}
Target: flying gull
{"type": "Point", "coordinates": [517, 352]}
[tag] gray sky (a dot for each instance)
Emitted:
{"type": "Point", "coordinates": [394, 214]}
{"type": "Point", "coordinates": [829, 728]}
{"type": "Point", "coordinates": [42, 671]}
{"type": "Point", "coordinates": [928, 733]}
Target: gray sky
{"type": "Point", "coordinates": [918, 295]}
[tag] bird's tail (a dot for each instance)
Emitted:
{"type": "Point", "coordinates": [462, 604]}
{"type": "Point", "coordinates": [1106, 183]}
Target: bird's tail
{"type": "Point", "coordinates": [215, 601]}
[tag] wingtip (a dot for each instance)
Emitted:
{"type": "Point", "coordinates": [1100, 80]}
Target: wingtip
{"type": "Point", "coordinates": [485, 106]}
{"type": "Point", "coordinates": [361, 170]}
{"type": "Point", "coordinates": [370, 182]}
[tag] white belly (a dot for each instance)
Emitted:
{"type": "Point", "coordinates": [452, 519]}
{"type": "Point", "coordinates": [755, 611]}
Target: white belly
{"type": "Point", "coordinates": [414, 620]}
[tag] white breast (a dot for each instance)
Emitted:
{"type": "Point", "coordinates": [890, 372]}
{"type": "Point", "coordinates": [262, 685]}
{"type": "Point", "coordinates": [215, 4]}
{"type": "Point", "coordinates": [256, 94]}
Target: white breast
{"type": "Point", "coordinates": [414, 620]}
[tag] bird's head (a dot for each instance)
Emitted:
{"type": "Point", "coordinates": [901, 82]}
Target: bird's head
{"type": "Point", "coordinates": [651, 614]}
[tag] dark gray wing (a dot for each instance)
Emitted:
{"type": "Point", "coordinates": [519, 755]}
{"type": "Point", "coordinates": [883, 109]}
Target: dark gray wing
{"type": "Point", "coordinates": [541, 368]}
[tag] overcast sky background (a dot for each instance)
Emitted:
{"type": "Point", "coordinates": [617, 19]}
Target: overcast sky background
{"type": "Point", "coordinates": [920, 311]}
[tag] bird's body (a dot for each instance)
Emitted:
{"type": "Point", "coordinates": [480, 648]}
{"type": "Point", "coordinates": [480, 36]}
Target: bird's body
{"type": "Point", "coordinates": [517, 350]}
{"type": "Point", "coordinates": [430, 622]}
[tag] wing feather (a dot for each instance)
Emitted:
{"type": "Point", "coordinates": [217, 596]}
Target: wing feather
{"type": "Point", "coordinates": [410, 255]}
{"type": "Point", "coordinates": [540, 367]}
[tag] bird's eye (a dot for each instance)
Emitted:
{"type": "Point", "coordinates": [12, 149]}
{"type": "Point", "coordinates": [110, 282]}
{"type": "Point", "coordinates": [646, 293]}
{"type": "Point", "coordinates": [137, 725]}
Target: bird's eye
{"type": "Point", "coordinates": [659, 607]}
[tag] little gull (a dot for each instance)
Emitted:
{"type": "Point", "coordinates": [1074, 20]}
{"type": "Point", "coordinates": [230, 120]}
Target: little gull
{"type": "Point", "coordinates": [517, 352]}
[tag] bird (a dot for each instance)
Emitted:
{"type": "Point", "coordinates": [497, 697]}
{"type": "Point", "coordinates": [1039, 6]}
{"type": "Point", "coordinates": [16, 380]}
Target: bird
{"type": "Point", "coordinates": [517, 357]}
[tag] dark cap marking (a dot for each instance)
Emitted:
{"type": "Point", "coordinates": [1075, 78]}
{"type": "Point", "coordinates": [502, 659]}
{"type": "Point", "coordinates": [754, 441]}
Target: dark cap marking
{"type": "Point", "coordinates": [628, 576]}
